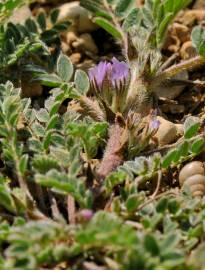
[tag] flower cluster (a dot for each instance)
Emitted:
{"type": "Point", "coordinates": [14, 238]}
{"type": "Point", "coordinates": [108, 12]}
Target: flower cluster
{"type": "Point", "coordinates": [110, 81]}
{"type": "Point", "coordinates": [114, 72]}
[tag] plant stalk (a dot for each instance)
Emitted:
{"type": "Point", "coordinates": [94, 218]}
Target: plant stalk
{"type": "Point", "coordinates": [187, 65]}
{"type": "Point", "coordinates": [113, 156]}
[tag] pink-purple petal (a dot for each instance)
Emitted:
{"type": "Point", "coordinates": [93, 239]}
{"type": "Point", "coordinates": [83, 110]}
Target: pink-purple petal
{"type": "Point", "coordinates": [99, 72]}
{"type": "Point", "coordinates": [154, 124]}
{"type": "Point", "coordinates": [115, 71]}
{"type": "Point", "coordinates": [120, 70]}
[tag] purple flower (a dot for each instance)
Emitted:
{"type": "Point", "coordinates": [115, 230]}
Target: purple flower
{"type": "Point", "coordinates": [154, 125]}
{"type": "Point", "coordinates": [115, 71]}
{"type": "Point", "coordinates": [86, 214]}
{"type": "Point", "coordinates": [99, 72]}
{"type": "Point", "coordinates": [120, 71]}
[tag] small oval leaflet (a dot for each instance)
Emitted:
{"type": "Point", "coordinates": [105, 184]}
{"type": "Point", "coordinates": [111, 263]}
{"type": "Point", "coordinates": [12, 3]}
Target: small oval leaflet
{"type": "Point", "coordinates": [169, 158]}
{"type": "Point", "coordinates": [82, 83]}
{"type": "Point", "coordinates": [198, 39]}
{"type": "Point", "coordinates": [64, 68]}
{"type": "Point", "coordinates": [191, 127]}
{"type": "Point", "coordinates": [198, 146]}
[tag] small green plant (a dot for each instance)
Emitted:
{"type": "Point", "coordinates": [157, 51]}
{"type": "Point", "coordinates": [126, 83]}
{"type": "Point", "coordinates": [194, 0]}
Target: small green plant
{"type": "Point", "coordinates": [24, 44]}
{"type": "Point", "coordinates": [82, 187]}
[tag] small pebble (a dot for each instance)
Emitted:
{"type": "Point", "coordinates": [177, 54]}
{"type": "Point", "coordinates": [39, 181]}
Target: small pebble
{"type": "Point", "coordinates": [187, 50]}
{"type": "Point", "coordinates": [20, 15]}
{"type": "Point", "coordinates": [167, 132]}
{"type": "Point", "coordinates": [78, 15]}
{"type": "Point", "coordinates": [65, 47]}
{"type": "Point", "coordinates": [85, 42]}
{"type": "Point", "coordinates": [75, 58]}
{"type": "Point", "coordinates": [71, 36]}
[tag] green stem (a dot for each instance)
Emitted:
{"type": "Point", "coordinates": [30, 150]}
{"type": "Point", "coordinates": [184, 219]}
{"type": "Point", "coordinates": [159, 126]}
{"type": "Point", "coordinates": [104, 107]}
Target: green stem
{"type": "Point", "coordinates": [21, 180]}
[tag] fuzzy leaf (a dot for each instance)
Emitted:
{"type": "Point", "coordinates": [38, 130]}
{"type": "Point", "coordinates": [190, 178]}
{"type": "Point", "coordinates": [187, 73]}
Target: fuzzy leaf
{"type": "Point", "coordinates": [42, 115]}
{"type": "Point", "coordinates": [6, 198]}
{"type": "Point", "coordinates": [107, 26]}
{"type": "Point", "coordinates": [191, 127]}
{"type": "Point", "coordinates": [162, 205]}
{"type": "Point", "coordinates": [38, 129]}
{"type": "Point", "coordinates": [151, 245]}
{"type": "Point", "coordinates": [169, 158]}
{"type": "Point", "coordinates": [47, 139]}
{"type": "Point", "coordinates": [198, 146]}
{"type": "Point", "coordinates": [43, 164]}
{"type": "Point", "coordinates": [51, 80]}
{"type": "Point", "coordinates": [133, 19]}
{"type": "Point", "coordinates": [54, 15]}
{"type": "Point", "coordinates": [124, 7]}
{"type": "Point", "coordinates": [82, 83]}
{"type": "Point", "coordinates": [41, 19]}
{"type": "Point", "coordinates": [23, 164]}
{"type": "Point", "coordinates": [52, 122]}
{"type": "Point", "coordinates": [133, 202]}
{"type": "Point", "coordinates": [64, 68]}
{"type": "Point", "coordinates": [198, 39]}
{"type": "Point", "coordinates": [183, 149]}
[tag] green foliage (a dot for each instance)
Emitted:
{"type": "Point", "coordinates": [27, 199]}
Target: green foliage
{"type": "Point", "coordinates": [54, 156]}
{"type": "Point", "coordinates": [89, 134]}
{"type": "Point", "coordinates": [55, 209]}
{"type": "Point", "coordinates": [7, 7]}
{"type": "Point", "coordinates": [105, 11]}
{"type": "Point", "coordinates": [105, 24]}
{"type": "Point", "coordinates": [154, 18]}
{"type": "Point", "coordinates": [198, 39]}
{"type": "Point", "coordinates": [34, 244]}
{"type": "Point", "coordinates": [18, 44]}
{"type": "Point", "coordinates": [82, 83]}
{"type": "Point", "coordinates": [188, 147]}
{"type": "Point", "coordinates": [147, 26]}
{"type": "Point", "coordinates": [64, 68]}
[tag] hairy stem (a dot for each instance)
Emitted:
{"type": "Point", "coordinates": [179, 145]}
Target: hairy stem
{"type": "Point", "coordinates": [20, 177]}
{"type": "Point", "coordinates": [71, 209]}
{"type": "Point", "coordinates": [113, 156]}
{"type": "Point", "coordinates": [187, 65]}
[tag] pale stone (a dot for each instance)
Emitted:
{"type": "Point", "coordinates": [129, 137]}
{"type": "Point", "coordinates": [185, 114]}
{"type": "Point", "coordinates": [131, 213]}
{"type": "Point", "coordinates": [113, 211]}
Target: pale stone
{"type": "Point", "coordinates": [187, 50]}
{"type": "Point", "coordinates": [85, 42]}
{"type": "Point", "coordinates": [167, 132]}
{"type": "Point", "coordinates": [75, 58]}
{"type": "Point", "coordinates": [77, 14]}
{"type": "Point", "coordinates": [71, 36]}
{"type": "Point", "coordinates": [20, 15]}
